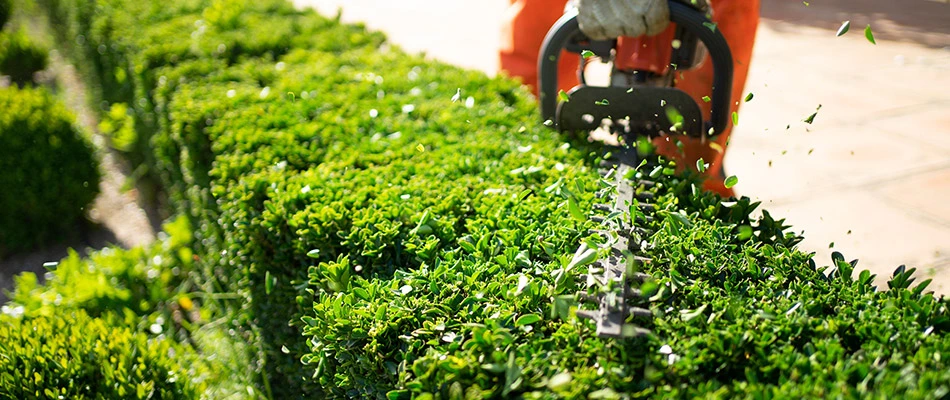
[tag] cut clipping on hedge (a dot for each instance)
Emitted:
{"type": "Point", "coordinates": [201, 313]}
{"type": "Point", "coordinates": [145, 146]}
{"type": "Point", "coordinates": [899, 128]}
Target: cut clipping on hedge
{"type": "Point", "coordinates": [362, 235]}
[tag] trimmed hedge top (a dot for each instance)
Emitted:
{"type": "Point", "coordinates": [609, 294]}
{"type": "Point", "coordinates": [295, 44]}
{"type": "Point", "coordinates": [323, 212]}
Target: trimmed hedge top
{"type": "Point", "coordinates": [405, 242]}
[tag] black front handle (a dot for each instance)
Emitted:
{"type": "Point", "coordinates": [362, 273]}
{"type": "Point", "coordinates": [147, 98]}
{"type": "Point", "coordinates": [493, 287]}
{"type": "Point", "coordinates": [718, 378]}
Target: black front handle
{"type": "Point", "coordinates": [566, 30]}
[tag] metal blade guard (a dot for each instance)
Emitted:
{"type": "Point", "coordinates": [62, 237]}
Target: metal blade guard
{"type": "Point", "coordinates": [644, 106]}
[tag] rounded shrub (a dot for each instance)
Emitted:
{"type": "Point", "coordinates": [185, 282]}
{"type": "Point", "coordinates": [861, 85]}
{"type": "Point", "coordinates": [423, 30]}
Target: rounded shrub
{"type": "Point", "coordinates": [6, 7]}
{"type": "Point", "coordinates": [49, 170]}
{"type": "Point", "coordinates": [20, 57]}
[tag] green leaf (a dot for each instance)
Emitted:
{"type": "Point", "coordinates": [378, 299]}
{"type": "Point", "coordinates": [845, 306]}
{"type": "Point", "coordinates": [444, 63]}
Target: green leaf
{"type": "Point", "coordinates": [315, 253]}
{"type": "Point", "coordinates": [269, 282]}
{"type": "Point", "coordinates": [700, 165]}
{"type": "Point", "coordinates": [710, 25]}
{"type": "Point", "coordinates": [731, 181]}
{"type": "Point", "coordinates": [745, 232]}
{"type": "Point", "coordinates": [587, 54]}
{"type": "Point", "coordinates": [869, 35]}
{"type": "Point", "coordinates": [562, 95]}
{"type": "Point", "coordinates": [845, 26]}
{"type": "Point", "coordinates": [706, 99]}
{"type": "Point", "coordinates": [583, 256]}
{"type": "Point", "coordinates": [527, 319]}
{"type": "Point", "coordinates": [513, 376]}
{"type": "Point", "coordinates": [676, 119]}
{"type": "Point", "coordinates": [811, 118]}
{"type": "Point", "coordinates": [735, 118]}
{"type": "Point", "coordinates": [689, 315]}
{"type": "Point", "coordinates": [749, 97]}
{"type": "Point", "coordinates": [561, 308]}
{"type": "Point", "coordinates": [575, 210]}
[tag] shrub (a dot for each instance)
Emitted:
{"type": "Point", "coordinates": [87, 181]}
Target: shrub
{"type": "Point", "coordinates": [139, 285]}
{"type": "Point", "coordinates": [20, 57]}
{"type": "Point", "coordinates": [144, 290]}
{"type": "Point", "coordinates": [70, 355]}
{"type": "Point", "coordinates": [50, 174]}
{"type": "Point", "coordinates": [401, 243]}
{"type": "Point", "coordinates": [6, 8]}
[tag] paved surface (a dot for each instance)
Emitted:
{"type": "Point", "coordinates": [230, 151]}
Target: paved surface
{"type": "Point", "coordinates": [870, 177]}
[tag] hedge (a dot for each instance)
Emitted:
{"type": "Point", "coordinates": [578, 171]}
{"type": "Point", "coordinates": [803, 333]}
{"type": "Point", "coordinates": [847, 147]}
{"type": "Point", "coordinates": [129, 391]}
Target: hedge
{"type": "Point", "coordinates": [102, 327]}
{"type": "Point", "coordinates": [77, 357]}
{"type": "Point", "coordinates": [403, 228]}
{"type": "Point", "coordinates": [132, 322]}
{"type": "Point", "coordinates": [50, 171]}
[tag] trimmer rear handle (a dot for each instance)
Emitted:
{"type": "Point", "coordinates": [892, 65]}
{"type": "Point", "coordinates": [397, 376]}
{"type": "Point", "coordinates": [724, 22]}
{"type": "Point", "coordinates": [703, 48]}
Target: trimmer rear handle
{"type": "Point", "coordinates": [566, 32]}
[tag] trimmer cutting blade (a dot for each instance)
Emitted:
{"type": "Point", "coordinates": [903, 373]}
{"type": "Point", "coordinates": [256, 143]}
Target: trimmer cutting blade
{"type": "Point", "coordinates": [635, 104]}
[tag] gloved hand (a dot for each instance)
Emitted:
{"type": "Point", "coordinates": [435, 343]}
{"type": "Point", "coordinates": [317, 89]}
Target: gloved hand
{"type": "Point", "coordinates": [610, 19]}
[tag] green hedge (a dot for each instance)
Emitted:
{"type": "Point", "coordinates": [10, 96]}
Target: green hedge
{"type": "Point", "coordinates": [403, 243]}
{"type": "Point", "coordinates": [74, 356]}
{"type": "Point", "coordinates": [50, 172]}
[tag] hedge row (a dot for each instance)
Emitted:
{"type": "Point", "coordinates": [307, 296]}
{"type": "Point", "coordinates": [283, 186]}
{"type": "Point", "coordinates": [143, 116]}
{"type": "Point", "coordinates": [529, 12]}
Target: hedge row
{"type": "Point", "coordinates": [50, 173]}
{"type": "Point", "coordinates": [403, 227]}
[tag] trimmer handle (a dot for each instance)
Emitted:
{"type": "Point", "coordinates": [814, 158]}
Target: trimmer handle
{"type": "Point", "coordinates": [567, 31]}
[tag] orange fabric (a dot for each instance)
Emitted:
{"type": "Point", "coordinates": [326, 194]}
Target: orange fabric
{"type": "Point", "coordinates": [528, 21]}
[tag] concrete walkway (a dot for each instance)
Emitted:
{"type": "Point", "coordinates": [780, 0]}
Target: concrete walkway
{"type": "Point", "coordinates": [870, 177]}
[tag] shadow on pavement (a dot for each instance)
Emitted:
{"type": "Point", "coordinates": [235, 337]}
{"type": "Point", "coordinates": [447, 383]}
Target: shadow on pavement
{"type": "Point", "coordinates": [926, 22]}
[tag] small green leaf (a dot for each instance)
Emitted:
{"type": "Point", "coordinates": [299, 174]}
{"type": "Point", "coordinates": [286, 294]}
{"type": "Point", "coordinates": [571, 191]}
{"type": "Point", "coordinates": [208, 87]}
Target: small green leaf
{"type": "Point", "coordinates": [869, 35]}
{"type": "Point", "coordinates": [811, 118]}
{"type": "Point", "coordinates": [749, 97]}
{"type": "Point", "coordinates": [735, 118]}
{"type": "Point", "coordinates": [583, 256]}
{"type": "Point", "coordinates": [315, 253]}
{"type": "Point", "coordinates": [587, 54]}
{"type": "Point", "coordinates": [525, 194]}
{"type": "Point", "coordinates": [269, 282]}
{"type": "Point", "coordinates": [706, 99]}
{"type": "Point", "coordinates": [710, 25]}
{"type": "Point", "coordinates": [676, 119]}
{"type": "Point", "coordinates": [527, 319]}
{"type": "Point", "coordinates": [845, 26]}
{"type": "Point", "coordinates": [575, 210]}
{"type": "Point", "coordinates": [745, 232]}
{"type": "Point", "coordinates": [688, 315]}
{"type": "Point", "coordinates": [562, 95]}
{"type": "Point", "coordinates": [700, 165]}
{"type": "Point", "coordinates": [731, 181]}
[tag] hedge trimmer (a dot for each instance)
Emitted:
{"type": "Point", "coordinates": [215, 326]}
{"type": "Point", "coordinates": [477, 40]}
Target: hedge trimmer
{"type": "Point", "coordinates": [636, 105]}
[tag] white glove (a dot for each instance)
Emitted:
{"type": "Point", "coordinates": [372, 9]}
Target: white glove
{"type": "Point", "coordinates": [610, 19]}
